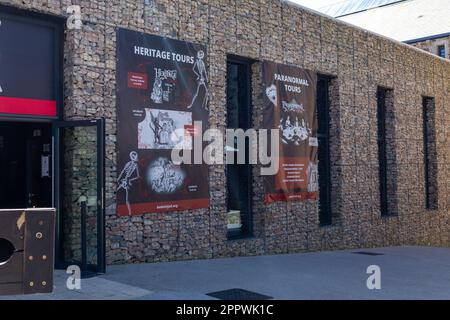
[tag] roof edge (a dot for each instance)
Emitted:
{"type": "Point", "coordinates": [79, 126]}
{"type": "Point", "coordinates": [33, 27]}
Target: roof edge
{"type": "Point", "coordinates": [370, 8]}
{"type": "Point", "coordinates": [437, 36]}
{"type": "Point", "coordinates": [337, 21]}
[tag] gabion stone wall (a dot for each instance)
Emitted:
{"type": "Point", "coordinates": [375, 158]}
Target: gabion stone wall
{"type": "Point", "coordinates": [280, 32]}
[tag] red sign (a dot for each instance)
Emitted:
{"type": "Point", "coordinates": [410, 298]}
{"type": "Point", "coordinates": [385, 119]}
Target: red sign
{"type": "Point", "coordinates": [191, 130]}
{"type": "Point", "coordinates": [29, 62]}
{"type": "Point", "coordinates": [22, 106]}
{"type": "Point", "coordinates": [137, 80]}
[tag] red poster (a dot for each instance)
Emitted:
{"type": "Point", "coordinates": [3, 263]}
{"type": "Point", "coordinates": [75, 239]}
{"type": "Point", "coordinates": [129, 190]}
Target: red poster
{"type": "Point", "coordinates": [291, 108]}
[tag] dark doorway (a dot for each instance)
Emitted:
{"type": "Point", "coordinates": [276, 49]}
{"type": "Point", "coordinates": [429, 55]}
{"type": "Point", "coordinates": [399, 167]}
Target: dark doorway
{"type": "Point", "coordinates": [25, 165]}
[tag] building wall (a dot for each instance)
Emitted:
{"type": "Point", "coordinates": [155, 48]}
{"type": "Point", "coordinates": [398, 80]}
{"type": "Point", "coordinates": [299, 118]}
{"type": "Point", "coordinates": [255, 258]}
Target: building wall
{"type": "Point", "coordinates": [276, 31]}
{"type": "Point", "coordinates": [433, 44]}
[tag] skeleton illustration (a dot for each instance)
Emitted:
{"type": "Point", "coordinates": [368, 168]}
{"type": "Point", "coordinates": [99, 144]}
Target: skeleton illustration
{"type": "Point", "coordinates": [294, 133]}
{"type": "Point", "coordinates": [164, 177]}
{"type": "Point", "coordinates": [313, 181]}
{"type": "Point", "coordinates": [202, 79]}
{"type": "Point", "coordinates": [129, 173]}
{"type": "Point", "coordinates": [158, 93]}
{"type": "Point", "coordinates": [271, 93]}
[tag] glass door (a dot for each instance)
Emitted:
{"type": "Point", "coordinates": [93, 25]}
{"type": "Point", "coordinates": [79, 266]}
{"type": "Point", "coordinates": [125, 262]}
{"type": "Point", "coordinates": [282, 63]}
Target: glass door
{"type": "Point", "coordinates": [79, 194]}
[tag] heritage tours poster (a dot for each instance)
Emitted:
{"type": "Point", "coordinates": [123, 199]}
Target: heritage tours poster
{"type": "Point", "coordinates": [162, 88]}
{"type": "Point", "coordinates": [290, 95]}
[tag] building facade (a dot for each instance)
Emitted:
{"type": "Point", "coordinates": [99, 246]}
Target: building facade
{"type": "Point", "coordinates": [438, 45]}
{"type": "Point", "coordinates": [379, 95]}
{"type": "Point", "coordinates": [420, 23]}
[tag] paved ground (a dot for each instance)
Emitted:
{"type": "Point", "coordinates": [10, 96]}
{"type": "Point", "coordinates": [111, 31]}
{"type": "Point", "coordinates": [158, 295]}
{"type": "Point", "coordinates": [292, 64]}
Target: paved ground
{"type": "Point", "coordinates": [406, 273]}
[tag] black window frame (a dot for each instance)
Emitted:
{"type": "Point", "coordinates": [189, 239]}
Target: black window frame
{"type": "Point", "coordinates": [246, 231]}
{"type": "Point", "coordinates": [324, 151]}
{"type": "Point", "coordinates": [382, 154]}
{"type": "Point", "coordinates": [431, 202]}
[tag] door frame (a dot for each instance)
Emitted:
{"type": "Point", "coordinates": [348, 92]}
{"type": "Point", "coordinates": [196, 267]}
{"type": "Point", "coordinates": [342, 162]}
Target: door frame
{"type": "Point", "coordinates": [57, 191]}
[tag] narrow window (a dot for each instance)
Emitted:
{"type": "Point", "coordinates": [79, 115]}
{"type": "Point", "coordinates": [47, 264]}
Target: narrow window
{"type": "Point", "coordinates": [430, 153]}
{"type": "Point", "coordinates": [239, 176]}
{"type": "Point", "coordinates": [323, 135]}
{"type": "Point", "coordinates": [441, 51]}
{"type": "Point", "coordinates": [386, 152]}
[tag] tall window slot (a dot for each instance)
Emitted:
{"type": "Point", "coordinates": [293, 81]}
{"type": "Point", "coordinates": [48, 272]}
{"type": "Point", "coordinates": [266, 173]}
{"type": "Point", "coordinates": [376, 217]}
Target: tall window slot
{"type": "Point", "coordinates": [430, 153]}
{"type": "Point", "coordinates": [323, 135]}
{"type": "Point", "coordinates": [239, 176]}
{"type": "Point", "coordinates": [386, 152]}
{"type": "Point", "coordinates": [441, 51]}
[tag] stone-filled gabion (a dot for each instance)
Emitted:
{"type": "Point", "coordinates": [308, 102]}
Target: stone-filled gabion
{"type": "Point", "coordinates": [280, 32]}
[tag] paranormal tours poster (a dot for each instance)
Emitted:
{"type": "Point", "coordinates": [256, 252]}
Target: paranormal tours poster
{"type": "Point", "coordinates": [290, 105]}
{"type": "Point", "coordinates": [162, 88]}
